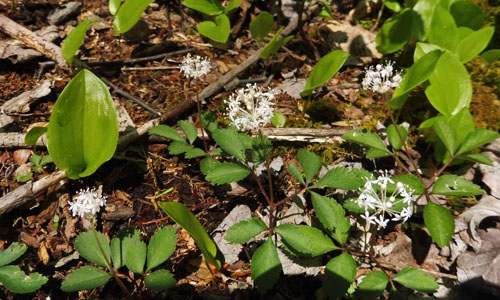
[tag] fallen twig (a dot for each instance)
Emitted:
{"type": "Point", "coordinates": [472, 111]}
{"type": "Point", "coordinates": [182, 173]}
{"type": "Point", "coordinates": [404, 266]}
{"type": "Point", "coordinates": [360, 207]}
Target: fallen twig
{"type": "Point", "coordinates": [139, 59]}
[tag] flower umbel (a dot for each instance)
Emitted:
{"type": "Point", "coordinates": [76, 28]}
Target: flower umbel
{"type": "Point", "coordinates": [87, 204]}
{"type": "Point", "coordinates": [378, 204]}
{"type": "Point", "coordinates": [195, 66]}
{"type": "Point", "coordinates": [381, 79]}
{"type": "Point", "coordinates": [250, 108]}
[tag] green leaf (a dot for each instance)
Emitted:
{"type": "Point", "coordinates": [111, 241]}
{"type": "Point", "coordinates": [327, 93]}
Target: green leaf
{"type": "Point", "coordinates": [305, 240]}
{"type": "Point", "coordinates": [24, 177]}
{"type": "Point", "coordinates": [34, 134]}
{"type": "Point", "coordinates": [352, 206]}
{"type": "Point", "coordinates": [194, 153]}
{"type": "Point", "coordinates": [121, 242]}
{"type": "Point", "coordinates": [227, 173]}
{"type": "Point", "coordinates": [414, 76]}
{"type": "Point", "coordinates": [218, 30]}
{"type": "Point", "coordinates": [393, 5]}
{"type": "Point", "coordinates": [477, 157]}
{"type": "Point", "coordinates": [395, 32]}
{"type": "Point", "coordinates": [208, 164]}
{"type": "Point", "coordinates": [209, 7]}
{"type": "Point", "coordinates": [166, 132]}
{"type": "Point", "coordinates": [232, 5]}
{"type": "Point", "coordinates": [135, 256]}
{"type": "Point", "coordinates": [341, 178]}
{"type": "Point", "coordinates": [393, 136]}
{"type": "Point", "coordinates": [261, 25]}
{"type": "Point", "coordinates": [185, 218]}
{"type": "Point", "coordinates": [453, 185]}
{"type": "Point", "coordinates": [114, 5]}
{"type": "Point", "coordinates": [339, 274]}
{"type": "Point", "coordinates": [424, 10]}
{"type": "Point", "coordinates": [83, 128]}
{"type": "Point", "coordinates": [368, 138]}
{"type": "Point", "coordinates": [161, 246]}
{"type": "Point", "coordinates": [332, 216]}
{"type": "Point", "coordinates": [159, 280]}
{"type": "Point", "coordinates": [310, 163]}
{"type": "Point", "coordinates": [491, 56]}
{"type": "Point", "coordinates": [243, 231]}
{"type": "Point", "coordinates": [440, 223]}
{"type": "Point", "coordinates": [84, 278]}
{"type": "Point", "coordinates": [209, 120]}
{"type": "Point", "coordinates": [13, 252]}
{"type": "Point", "coordinates": [416, 279]}
{"type": "Point", "coordinates": [74, 40]}
{"type": "Point", "coordinates": [477, 138]}
{"type": "Point", "coordinates": [129, 14]}
{"type": "Point", "coordinates": [443, 31]}
{"type": "Point", "coordinates": [372, 286]}
{"type": "Point", "coordinates": [326, 11]}
{"type": "Point", "coordinates": [15, 280]}
{"type": "Point", "coordinates": [430, 122]}
{"type": "Point", "coordinates": [409, 180]}
{"type": "Point", "coordinates": [266, 266]}
{"type": "Point", "coordinates": [324, 70]}
{"type": "Point", "coordinates": [376, 153]}
{"type": "Point", "coordinates": [258, 155]}
{"type": "Point", "coordinates": [228, 139]}
{"type": "Point", "coordinates": [179, 147]}
{"type": "Point", "coordinates": [467, 14]}
{"type": "Point", "coordinates": [474, 44]}
{"type": "Point", "coordinates": [274, 45]}
{"type": "Point", "coordinates": [278, 120]}
{"type": "Point", "coordinates": [450, 87]}
{"type": "Point", "coordinates": [88, 247]}
{"type": "Point", "coordinates": [463, 123]}
{"type": "Point", "coordinates": [447, 135]}
{"type": "Point", "coordinates": [295, 172]}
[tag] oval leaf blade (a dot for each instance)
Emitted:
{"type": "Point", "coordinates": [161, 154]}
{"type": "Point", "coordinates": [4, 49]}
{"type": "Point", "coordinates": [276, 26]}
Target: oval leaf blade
{"type": "Point", "coordinates": [74, 40]}
{"type": "Point", "coordinates": [453, 185]}
{"type": "Point", "coordinates": [310, 163]}
{"type": "Point", "coordinates": [87, 246]}
{"type": "Point", "coordinates": [368, 138]}
{"type": "Point", "coordinates": [218, 30]}
{"type": "Point", "coordinates": [324, 70]}
{"type": "Point", "coordinates": [161, 246]}
{"type": "Point", "coordinates": [227, 173]}
{"type": "Point", "coordinates": [159, 280]}
{"type": "Point", "coordinates": [440, 223]}
{"type": "Point", "coordinates": [416, 279]}
{"type": "Point", "coordinates": [84, 278]}
{"type": "Point", "coordinates": [261, 25]}
{"type": "Point", "coordinates": [129, 13]}
{"type": "Point", "coordinates": [14, 279]}
{"type": "Point", "coordinates": [12, 253]}
{"type": "Point", "coordinates": [243, 231]}
{"type": "Point", "coordinates": [339, 274]}
{"type": "Point", "coordinates": [266, 266]}
{"type": "Point", "coordinates": [372, 286]}
{"type": "Point", "coordinates": [305, 240]}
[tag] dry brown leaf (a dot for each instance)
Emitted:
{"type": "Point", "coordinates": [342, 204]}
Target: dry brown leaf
{"type": "Point", "coordinates": [43, 254]}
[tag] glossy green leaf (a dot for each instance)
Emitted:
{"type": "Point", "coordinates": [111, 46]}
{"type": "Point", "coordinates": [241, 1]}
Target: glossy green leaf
{"type": "Point", "coordinates": [13, 252]}
{"type": "Point", "coordinates": [477, 138]}
{"type": "Point", "coordinates": [84, 278]}
{"type": "Point", "coordinates": [443, 31]}
{"type": "Point", "coordinates": [324, 70]}
{"type": "Point", "coordinates": [114, 5]}
{"type": "Point", "coordinates": [232, 5]}
{"type": "Point", "coordinates": [121, 242]}
{"type": "Point", "coordinates": [194, 153]}
{"type": "Point", "coordinates": [439, 222]}
{"type": "Point", "coordinates": [368, 138]}
{"type": "Point", "coordinates": [376, 153]}
{"type": "Point", "coordinates": [15, 280]}
{"type": "Point", "coordinates": [227, 173]}
{"type": "Point", "coordinates": [339, 274]}
{"type": "Point", "coordinates": [207, 164]}
{"type": "Point", "coordinates": [423, 48]}
{"type": "Point", "coordinates": [278, 120]}
{"type": "Point", "coordinates": [189, 130]}
{"type": "Point", "coordinates": [83, 128]}
{"type": "Point", "coordinates": [295, 172]}
{"type": "Point", "coordinates": [474, 43]}
{"type": "Point", "coordinates": [185, 218]}
{"type": "Point", "coordinates": [34, 134]}
{"type": "Point", "coordinates": [393, 5]}
{"type": "Point", "coordinates": [372, 286]}
{"type": "Point", "coordinates": [274, 45]}
{"type": "Point", "coordinates": [341, 178]}
{"type": "Point", "coordinates": [179, 147]}
{"type": "Point", "coordinates": [395, 138]}
{"type": "Point", "coordinates": [409, 180]}
{"type": "Point", "coordinates": [166, 132]}
{"type": "Point", "coordinates": [447, 135]}
{"type": "Point", "coordinates": [218, 30]}
{"type": "Point", "coordinates": [74, 40]}
{"type": "Point", "coordinates": [429, 123]}
{"type": "Point", "coordinates": [332, 216]}
{"type": "Point", "coordinates": [161, 246]}
{"type": "Point", "coordinates": [88, 247]}
{"type": "Point", "coordinates": [477, 157]}
{"type": "Point", "coordinates": [491, 56]}
{"type": "Point", "coordinates": [395, 32]}
{"type": "Point", "coordinates": [463, 123]}
{"type": "Point", "coordinates": [266, 266]}
{"type": "Point", "coordinates": [468, 14]}
{"type": "Point", "coordinates": [229, 140]}
{"type": "Point", "coordinates": [305, 240]}
{"type": "Point", "coordinates": [453, 185]}
{"type": "Point", "coordinates": [129, 14]}
{"type": "Point", "coordinates": [135, 256]}
{"type": "Point", "coordinates": [159, 280]}
{"type": "Point", "coordinates": [424, 10]}
{"type": "Point", "coordinates": [209, 7]}
{"type": "Point", "coordinates": [243, 231]}
{"type": "Point", "coordinates": [310, 163]}
{"type": "Point", "coordinates": [261, 25]}
{"type": "Point", "coordinates": [416, 279]}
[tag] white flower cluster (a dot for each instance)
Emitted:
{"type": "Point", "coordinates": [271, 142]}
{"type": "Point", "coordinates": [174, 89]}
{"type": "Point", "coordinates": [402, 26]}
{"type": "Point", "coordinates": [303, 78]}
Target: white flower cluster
{"type": "Point", "coordinates": [381, 204]}
{"type": "Point", "coordinates": [381, 78]}
{"type": "Point", "coordinates": [88, 203]}
{"type": "Point", "coordinates": [195, 66]}
{"type": "Point", "coordinates": [250, 108]}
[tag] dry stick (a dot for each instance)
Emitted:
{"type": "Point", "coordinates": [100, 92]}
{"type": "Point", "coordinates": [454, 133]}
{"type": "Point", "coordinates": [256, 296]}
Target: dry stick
{"type": "Point", "coordinates": [139, 59]}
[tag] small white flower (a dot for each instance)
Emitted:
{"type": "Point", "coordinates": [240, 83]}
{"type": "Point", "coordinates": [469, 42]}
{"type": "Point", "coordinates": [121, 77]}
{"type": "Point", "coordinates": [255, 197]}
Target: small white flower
{"type": "Point", "coordinates": [381, 78]}
{"type": "Point", "coordinates": [250, 108]}
{"type": "Point", "coordinates": [87, 203]}
{"type": "Point", "coordinates": [195, 66]}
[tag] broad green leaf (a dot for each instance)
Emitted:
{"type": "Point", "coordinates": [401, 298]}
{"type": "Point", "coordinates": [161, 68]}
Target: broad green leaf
{"type": "Point", "coordinates": [326, 11]}
{"type": "Point", "coordinates": [88, 247]}
{"type": "Point", "coordinates": [395, 32]}
{"type": "Point", "coordinates": [179, 147]}
{"type": "Point", "coordinates": [416, 279]}
{"type": "Point", "coordinates": [194, 153]}
{"type": "Point", "coordinates": [161, 246]}
{"type": "Point", "coordinates": [324, 70]}
{"type": "Point", "coordinates": [414, 76]}
{"type": "Point", "coordinates": [393, 5]}
{"type": "Point", "coordinates": [463, 123]}
{"type": "Point", "coordinates": [468, 14]}
{"type": "Point", "coordinates": [474, 44]}
{"type": "Point", "coordinates": [439, 222]}
{"type": "Point", "coordinates": [209, 7]}
{"type": "Point", "coordinates": [295, 172]}
{"type": "Point", "coordinates": [274, 45]}
{"type": "Point", "coordinates": [218, 30]}
{"type": "Point", "coordinates": [368, 138]}
{"type": "Point", "coordinates": [185, 218]}
{"type": "Point", "coordinates": [13, 252]}
{"type": "Point", "coordinates": [447, 135]}
{"type": "Point", "coordinates": [394, 137]}
{"type": "Point", "coordinates": [232, 5]}
{"type": "Point", "coordinates": [376, 153]}
{"type": "Point", "coordinates": [477, 138]}
{"type": "Point", "coordinates": [83, 128]}
{"type": "Point", "coordinates": [443, 31]}
{"type": "Point", "coordinates": [227, 173]}
{"type": "Point", "coordinates": [352, 206]}
{"type": "Point", "coordinates": [491, 55]}
{"type": "Point", "coordinates": [339, 274]}
{"type": "Point", "coordinates": [410, 181]}
{"type": "Point", "coordinates": [266, 266]}
{"type": "Point", "coordinates": [207, 164]}
{"type": "Point", "coordinates": [129, 14]}
{"type": "Point", "coordinates": [135, 256]}
{"type": "Point", "coordinates": [166, 132]}
{"type": "Point", "coordinates": [477, 157]}
{"type": "Point", "coordinates": [278, 120]}
{"type": "Point", "coordinates": [305, 240]}
{"type": "Point", "coordinates": [341, 178]}
{"type": "Point", "coordinates": [332, 216]}
{"type": "Point", "coordinates": [463, 32]}
{"type": "Point", "coordinates": [15, 280]}
{"type": "Point", "coordinates": [114, 5]}
{"type": "Point", "coordinates": [372, 286]}
{"type": "Point", "coordinates": [189, 130]}
{"type": "Point", "coordinates": [261, 25]}
{"type": "Point", "coordinates": [450, 87]}
{"type": "Point", "coordinates": [209, 120]}
{"type": "Point", "coordinates": [258, 155]}
{"type": "Point", "coordinates": [310, 163]}
{"type": "Point", "coordinates": [429, 123]}
{"type": "Point", "coordinates": [423, 48]}
{"type": "Point", "coordinates": [243, 231]}
{"type": "Point", "coordinates": [84, 278]}
{"type": "Point", "coordinates": [120, 244]}
{"type": "Point", "coordinates": [159, 280]}
{"type": "Point", "coordinates": [453, 185]}
{"type": "Point", "coordinates": [228, 139]}
{"type": "Point", "coordinates": [74, 40]}
{"type": "Point", "coordinates": [425, 10]}
{"type": "Point", "coordinates": [34, 134]}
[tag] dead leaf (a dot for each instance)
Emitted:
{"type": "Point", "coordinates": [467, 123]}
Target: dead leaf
{"type": "Point", "coordinates": [43, 254]}
{"type": "Point", "coordinates": [21, 156]}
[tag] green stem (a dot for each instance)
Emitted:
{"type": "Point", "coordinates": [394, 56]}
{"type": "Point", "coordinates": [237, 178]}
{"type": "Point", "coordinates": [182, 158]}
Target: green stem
{"type": "Point", "coordinates": [198, 106]}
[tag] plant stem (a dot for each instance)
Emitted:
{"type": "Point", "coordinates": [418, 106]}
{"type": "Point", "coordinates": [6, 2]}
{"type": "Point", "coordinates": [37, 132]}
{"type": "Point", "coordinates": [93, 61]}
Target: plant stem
{"type": "Point", "coordinates": [198, 106]}
{"type": "Point", "coordinates": [272, 206]}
